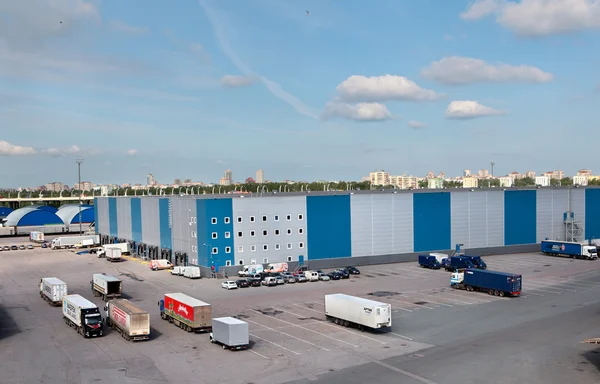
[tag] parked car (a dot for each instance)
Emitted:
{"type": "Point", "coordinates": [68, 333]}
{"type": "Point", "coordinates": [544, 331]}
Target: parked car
{"type": "Point", "coordinates": [6, 248]}
{"type": "Point", "coordinates": [301, 278]}
{"type": "Point", "coordinates": [44, 245]}
{"type": "Point", "coordinates": [289, 279]}
{"type": "Point", "coordinates": [22, 247]}
{"type": "Point", "coordinates": [279, 280]}
{"type": "Point", "coordinates": [14, 247]}
{"type": "Point", "coordinates": [229, 285]}
{"type": "Point", "coordinates": [353, 270]}
{"type": "Point", "coordinates": [334, 275]}
{"type": "Point", "coordinates": [269, 281]}
{"type": "Point", "coordinates": [253, 281]}
{"type": "Point", "coordinates": [324, 277]}
{"type": "Point", "coordinates": [242, 283]}
{"type": "Point", "coordinates": [30, 246]}
{"type": "Point", "coordinates": [344, 273]}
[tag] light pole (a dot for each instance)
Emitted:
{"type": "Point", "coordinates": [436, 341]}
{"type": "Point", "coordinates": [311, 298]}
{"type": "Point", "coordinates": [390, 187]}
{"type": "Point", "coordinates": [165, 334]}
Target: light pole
{"type": "Point", "coordinates": [79, 161]}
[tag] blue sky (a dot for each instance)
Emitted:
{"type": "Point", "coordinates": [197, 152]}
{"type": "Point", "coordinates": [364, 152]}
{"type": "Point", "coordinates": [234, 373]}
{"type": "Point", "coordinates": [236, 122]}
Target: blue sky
{"type": "Point", "coordinates": [189, 91]}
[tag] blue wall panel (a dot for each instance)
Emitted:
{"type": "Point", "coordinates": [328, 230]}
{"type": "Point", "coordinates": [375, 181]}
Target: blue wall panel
{"type": "Point", "coordinates": [165, 225]}
{"type": "Point", "coordinates": [87, 216]}
{"type": "Point", "coordinates": [432, 221]}
{"type": "Point", "coordinates": [40, 217]}
{"type": "Point", "coordinates": [206, 210]}
{"type": "Point", "coordinates": [592, 214]}
{"type": "Point", "coordinates": [520, 213]}
{"type": "Point", "coordinates": [136, 219]}
{"type": "Point", "coordinates": [96, 215]}
{"type": "Point", "coordinates": [113, 225]}
{"type": "Point", "coordinates": [329, 229]}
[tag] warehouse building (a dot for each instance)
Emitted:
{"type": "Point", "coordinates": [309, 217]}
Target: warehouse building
{"type": "Point", "coordinates": [331, 229]}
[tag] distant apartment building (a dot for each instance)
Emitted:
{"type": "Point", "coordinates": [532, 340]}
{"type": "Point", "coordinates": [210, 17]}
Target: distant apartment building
{"type": "Point", "coordinates": [543, 181]}
{"type": "Point", "coordinates": [466, 173]}
{"type": "Point", "coordinates": [85, 186]}
{"type": "Point", "coordinates": [379, 178]}
{"type": "Point", "coordinates": [430, 175]}
{"type": "Point", "coordinates": [516, 175]}
{"type": "Point", "coordinates": [554, 174]}
{"type": "Point", "coordinates": [150, 180]}
{"type": "Point", "coordinates": [581, 180]}
{"type": "Point", "coordinates": [55, 186]}
{"type": "Point", "coordinates": [584, 172]}
{"type": "Point", "coordinates": [227, 178]}
{"type": "Point", "coordinates": [470, 182]}
{"type": "Point", "coordinates": [365, 178]}
{"type": "Point", "coordinates": [530, 174]}
{"type": "Point", "coordinates": [506, 181]}
{"type": "Point", "coordinates": [177, 182]}
{"type": "Point", "coordinates": [483, 173]}
{"type": "Point", "coordinates": [404, 182]}
{"type": "Point", "coordinates": [260, 176]}
{"type": "Point", "coordinates": [435, 183]}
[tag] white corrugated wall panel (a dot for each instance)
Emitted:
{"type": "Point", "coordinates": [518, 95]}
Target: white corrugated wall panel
{"type": "Point", "coordinates": [460, 218]}
{"type": "Point", "coordinates": [544, 214]}
{"type": "Point", "coordinates": [478, 220]}
{"type": "Point", "coordinates": [383, 224]}
{"type": "Point", "coordinates": [150, 221]}
{"type": "Point", "coordinates": [402, 207]}
{"type": "Point", "coordinates": [362, 225]}
{"type": "Point", "coordinates": [184, 227]}
{"type": "Point", "coordinates": [578, 207]}
{"type": "Point", "coordinates": [560, 205]}
{"type": "Point", "coordinates": [103, 224]}
{"type": "Point", "coordinates": [495, 218]}
{"type": "Point", "coordinates": [124, 217]}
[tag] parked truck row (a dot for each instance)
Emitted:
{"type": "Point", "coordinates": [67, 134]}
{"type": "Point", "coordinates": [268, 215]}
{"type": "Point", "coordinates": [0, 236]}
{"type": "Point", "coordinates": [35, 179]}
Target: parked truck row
{"type": "Point", "coordinates": [66, 242]}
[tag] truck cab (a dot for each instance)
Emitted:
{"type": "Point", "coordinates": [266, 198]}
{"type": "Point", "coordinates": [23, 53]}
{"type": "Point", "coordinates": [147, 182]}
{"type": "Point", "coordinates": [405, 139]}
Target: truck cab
{"type": "Point", "coordinates": [429, 261]}
{"type": "Point", "coordinates": [92, 323]}
{"type": "Point", "coordinates": [477, 261]}
{"type": "Point", "coordinates": [455, 263]}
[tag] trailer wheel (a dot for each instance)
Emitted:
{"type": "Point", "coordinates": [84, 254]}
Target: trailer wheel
{"type": "Point", "coordinates": [469, 288]}
{"type": "Point", "coordinates": [496, 292]}
{"type": "Point", "coordinates": [501, 293]}
{"type": "Point", "coordinates": [491, 292]}
{"type": "Point", "coordinates": [346, 323]}
{"type": "Point", "coordinates": [337, 321]}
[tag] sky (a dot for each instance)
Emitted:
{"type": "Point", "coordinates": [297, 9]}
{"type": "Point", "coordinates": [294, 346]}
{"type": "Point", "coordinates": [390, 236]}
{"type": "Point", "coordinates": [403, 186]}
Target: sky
{"type": "Point", "coordinates": [303, 89]}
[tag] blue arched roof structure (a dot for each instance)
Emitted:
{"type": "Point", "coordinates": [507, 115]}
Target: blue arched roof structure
{"type": "Point", "coordinates": [70, 214]}
{"type": "Point", "coordinates": [28, 216]}
{"type": "Point", "coordinates": [74, 205]}
{"type": "Point", "coordinates": [4, 211]}
{"type": "Point", "coordinates": [49, 208]}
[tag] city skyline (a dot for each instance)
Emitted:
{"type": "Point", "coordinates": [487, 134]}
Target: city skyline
{"type": "Point", "coordinates": [158, 87]}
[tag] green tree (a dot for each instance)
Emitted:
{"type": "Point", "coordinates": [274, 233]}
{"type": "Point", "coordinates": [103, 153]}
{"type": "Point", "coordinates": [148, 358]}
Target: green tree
{"type": "Point", "coordinates": [525, 182]}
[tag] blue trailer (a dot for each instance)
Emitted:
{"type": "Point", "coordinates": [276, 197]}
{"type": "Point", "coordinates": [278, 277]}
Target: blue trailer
{"type": "Point", "coordinates": [428, 261]}
{"type": "Point", "coordinates": [455, 263]}
{"type": "Point", "coordinates": [494, 283]}
{"type": "Point", "coordinates": [570, 249]}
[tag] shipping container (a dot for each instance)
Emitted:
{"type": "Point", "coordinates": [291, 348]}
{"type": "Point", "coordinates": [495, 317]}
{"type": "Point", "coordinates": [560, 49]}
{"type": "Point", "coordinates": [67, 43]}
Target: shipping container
{"type": "Point", "coordinates": [124, 247]}
{"type": "Point", "coordinates": [132, 322]}
{"type": "Point", "coordinates": [52, 290]}
{"type": "Point", "coordinates": [492, 282]}
{"type": "Point", "coordinates": [230, 332]}
{"type": "Point", "coordinates": [36, 236]}
{"type": "Point", "coordinates": [571, 249]}
{"type": "Point", "coordinates": [350, 310]}
{"type": "Point", "coordinates": [186, 312]}
{"type": "Point", "coordinates": [82, 315]}
{"type": "Point", "coordinates": [109, 287]}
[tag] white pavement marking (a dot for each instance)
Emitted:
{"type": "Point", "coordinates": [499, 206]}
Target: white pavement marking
{"type": "Point", "coordinates": [587, 284]}
{"type": "Point", "coordinates": [550, 287]}
{"type": "Point", "coordinates": [402, 371]}
{"type": "Point", "coordinates": [275, 344]}
{"type": "Point", "coordinates": [561, 283]}
{"type": "Point", "coordinates": [399, 335]}
{"type": "Point", "coordinates": [470, 297]}
{"type": "Point", "coordinates": [529, 289]}
{"type": "Point", "coordinates": [256, 353]}
{"type": "Point", "coordinates": [286, 334]}
{"type": "Point", "coordinates": [448, 298]}
{"type": "Point", "coordinates": [527, 292]}
{"type": "Point", "coordinates": [431, 301]}
{"type": "Point", "coordinates": [337, 326]}
{"type": "Point", "coordinates": [308, 329]}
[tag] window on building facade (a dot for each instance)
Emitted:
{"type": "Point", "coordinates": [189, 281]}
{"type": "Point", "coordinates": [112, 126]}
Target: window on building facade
{"type": "Point", "coordinates": [264, 218]}
{"type": "Point", "coordinates": [228, 263]}
{"type": "Point", "coordinates": [277, 246]}
{"type": "Point", "coordinates": [252, 233]}
{"type": "Point", "coordinates": [276, 218]}
{"type": "Point", "coordinates": [289, 258]}
{"type": "Point", "coordinates": [265, 232]}
{"type": "Point", "coordinates": [265, 260]}
{"type": "Point", "coordinates": [289, 245]}
{"type": "Point", "coordinates": [300, 231]}
{"type": "Point", "coordinates": [239, 219]}
{"type": "Point", "coordinates": [300, 245]}
{"type": "Point", "coordinates": [241, 262]}
{"type": "Point", "coordinates": [300, 216]}
{"type": "Point", "coordinates": [265, 247]}
{"type": "Point", "coordinates": [253, 248]}
{"type": "Point", "coordinates": [227, 249]}
{"type": "Point", "coordinates": [240, 234]}
{"type": "Point", "coordinates": [213, 220]}
{"type": "Point", "coordinates": [277, 232]}
{"type": "Point", "coordinates": [240, 248]}
{"type": "Point", "coordinates": [215, 251]}
{"type": "Point", "coordinates": [214, 235]}
{"type": "Point", "coordinates": [252, 219]}
{"type": "Point", "coordinates": [288, 217]}
{"type": "Point", "coordinates": [227, 235]}
{"type": "Point", "coordinates": [289, 231]}
{"type": "Point", "coordinates": [227, 220]}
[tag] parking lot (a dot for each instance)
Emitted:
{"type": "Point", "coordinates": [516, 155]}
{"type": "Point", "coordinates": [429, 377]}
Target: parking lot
{"type": "Point", "coordinates": [290, 338]}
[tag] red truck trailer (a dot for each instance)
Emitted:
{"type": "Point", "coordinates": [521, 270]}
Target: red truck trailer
{"type": "Point", "coordinates": [186, 312]}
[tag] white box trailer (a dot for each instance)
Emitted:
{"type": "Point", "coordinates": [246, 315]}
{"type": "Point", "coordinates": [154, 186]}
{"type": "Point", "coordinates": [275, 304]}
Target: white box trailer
{"type": "Point", "coordinates": [350, 310]}
{"type": "Point", "coordinates": [230, 332]}
{"type": "Point", "coordinates": [191, 272]}
{"type": "Point", "coordinates": [124, 247]}
{"type": "Point", "coordinates": [52, 290]}
{"type": "Point", "coordinates": [72, 241]}
{"type": "Point", "coordinates": [83, 315]}
{"type": "Point", "coordinates": [132, 322]}
{"type": "Point", "coordinates": [107, 286]}
{"type": "Point", "coordinates": [113, 254]}
{"type": "Point", "coordinates": [439, 256]}
{"type": "Point", "coordinates": [36, 236]}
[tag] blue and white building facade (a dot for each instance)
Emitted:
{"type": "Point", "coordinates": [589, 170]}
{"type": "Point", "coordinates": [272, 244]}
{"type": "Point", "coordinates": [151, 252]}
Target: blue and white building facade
{"type": "Point", "coordinates": [235, 230]}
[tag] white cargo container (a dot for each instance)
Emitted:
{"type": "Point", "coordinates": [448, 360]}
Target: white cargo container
{"type": "Point", "coordinates": [132, 322]}
{"type": "Point", "coordinates": [124, 247]}
{"type": "Point", "coordinates": [350, 310]}
{"type": "Point", "coordinates": [230, 332]}
{"type": "Point", "coordinates": [109, 287]}
{"type": "Point", "coordinates": [83, 315]}
{"type": "Point", "coordinates": [71, 241]}
{"type": "Point", "coordinates": [439, 256]}
{"type": "Point", "coordinates": [52, 290]}
{"type": "Point", "coordinates": [191, 272]}
{"type": "Point", "coordinates": [113, 254]}
{"type": "Point", "coordinates": [36, 236]}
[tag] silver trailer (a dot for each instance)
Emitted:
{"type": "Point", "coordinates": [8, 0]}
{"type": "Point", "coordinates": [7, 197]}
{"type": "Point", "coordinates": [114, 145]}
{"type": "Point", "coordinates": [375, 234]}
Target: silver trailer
{"type": "Point", "coordinates": [72, 241]}
{"type": "Point", "coordinates": [132, 322]}
{"type": "Point", "coordinates": [230, 332]}
{"type": "Point", "coordinates": [349, 310]}
{"type": "Point", "coordinates": [82, 315]}
{"type": "Point", "coordinates": [113, 254]}
{"type": "Point", "coordinates": [109, 287]}
{"type": "Point", "coordinates": [52, 290]}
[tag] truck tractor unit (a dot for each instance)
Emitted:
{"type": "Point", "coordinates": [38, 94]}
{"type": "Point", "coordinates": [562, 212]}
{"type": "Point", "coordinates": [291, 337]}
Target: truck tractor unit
{"type": "Point", "coordinates": [186, 312]}
{"type": "Point", "coordinates": [354, 311]}
{"type": "Point", "coordinates": [106, 286]}
{"type": "Point", "coordinates": [53, 290]}
{"type": "Point", "coordinates": [494, 283]}
{"type": "Point", "coordinates": [454, 263]}
{"type": "Point", "coordinates": [82, 315]}
{"type": "Point", "coordinates": [231, 333]}
{"type": "Point", "coordinates": [132, 322]}
{"type": "Point", "coordinates": [569, 249]}
{"type": "Point", "coordinates": [428, 261]}
{"type": "Point", "coordinates": [477, 261]}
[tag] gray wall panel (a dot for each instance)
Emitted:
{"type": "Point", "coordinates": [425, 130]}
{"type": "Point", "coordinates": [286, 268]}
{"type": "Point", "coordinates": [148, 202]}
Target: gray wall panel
{"type": "Point", "coordinates": [103, 225]}
{"type": "Point", "coordinates": [185, 238]}
{"type": "Point", "coordinates": [495, 218]}
{"type": "Point", "coordinates": [560, 205]}
{"type": "Point", "coordinates": [545, 215]}
{"type": "Point", "coordinates": [383, 224]}
{"type": "Point", "coordinates": [477, 221]}
{"type": "Point", "coordinates": [269, 207]}
{"type": "Point", "coordinates": [124, 217]}
{"type": "Point", "coordinates": [578, 206]}
{"type": "Point", "coordinates": [403, 223]}
{"type": "Point", "coordinates": [150, 221]}
{"type": "Point", "coordinates": [460, 218]}
{"type": "Point", "coordinates": [362, 225]}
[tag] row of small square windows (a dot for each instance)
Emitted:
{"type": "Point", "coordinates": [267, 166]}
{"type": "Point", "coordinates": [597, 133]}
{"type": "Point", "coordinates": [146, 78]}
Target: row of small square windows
{"type": "Point", "coordinates": [265, 247]}
{"type": "Point", "coordinates": [227, 220]}
{"type": "Point", "coordinates": [215, 235]}
{"type": "Point", "coordinates": [265, 261]}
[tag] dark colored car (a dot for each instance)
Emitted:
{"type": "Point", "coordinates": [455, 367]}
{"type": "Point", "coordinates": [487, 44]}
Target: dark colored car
{"type": "Point", "coordinates": [44, 245]}
{"type": "Point", "coordinates": [353, 270]}
{"type": "Point", "coordinates": [14, 247]}
{"type": "Point", "coordinates": [334, 276]}
{"type": "Point", "coordinates": [345, 274]}
{"type": "Point", "coordinates": [242, 283]}
{"type": "Point", "coordinates": [254, 282]}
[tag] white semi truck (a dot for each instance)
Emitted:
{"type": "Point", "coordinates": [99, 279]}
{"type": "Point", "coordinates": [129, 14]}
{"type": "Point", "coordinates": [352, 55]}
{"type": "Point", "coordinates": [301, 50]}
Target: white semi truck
{"type": "Point", "coordinates": [132, 322]}
{"type": "Point", "coordinates": [355, 311]}
{"type": "Point", "coordinates": [53, 290]}
{"type": "Point", "coordinates": [63, 242]}
{"type": "Point", "coordinates": [82, 315]}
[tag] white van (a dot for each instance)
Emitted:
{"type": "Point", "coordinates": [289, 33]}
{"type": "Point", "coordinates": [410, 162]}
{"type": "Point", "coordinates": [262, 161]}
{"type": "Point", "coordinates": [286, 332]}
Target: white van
{"type": "Point", "coordinates": [251, 269]}
{"type": "Point", "coordinates": [277, 267]}
{"type": "Point", "coordinates": [177, 271]}
{"type": "Point", "coordinates": [311, 275]}
{"type": "Point", "coordinates": [191, 272]}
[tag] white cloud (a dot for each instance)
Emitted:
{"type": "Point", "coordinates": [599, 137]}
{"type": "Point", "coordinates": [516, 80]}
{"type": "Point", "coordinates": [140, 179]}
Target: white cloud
{"type": "Point", "coordinates": [467, 109]}
{"type": "Point", "coordinates": [120, 26]}
{"type": "Point", "coordinates": [61, 151]}
{"type": "Point", "coordinates": [457, 70]}
{"type": "Point", "coordinates": [539, 17]}
{"type": "Point", "coordinates": [132, 152]}
{"type": "Point", "coordinates": [8, 149]}
{"type": "Point", "coordinates": [233, 81]}
{"type": "Point", "coordinates": [357, 112]}
{"type": "Point", "coordinates": [416, 124]}
{"type": "Point", "coordinates": [272, 86]}
{"type": "Point", "coordinates": [383, 88]}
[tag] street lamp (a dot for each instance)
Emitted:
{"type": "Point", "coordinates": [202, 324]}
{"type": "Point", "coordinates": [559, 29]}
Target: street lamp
{"type": "Point", "coordinates": [79, 161]}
